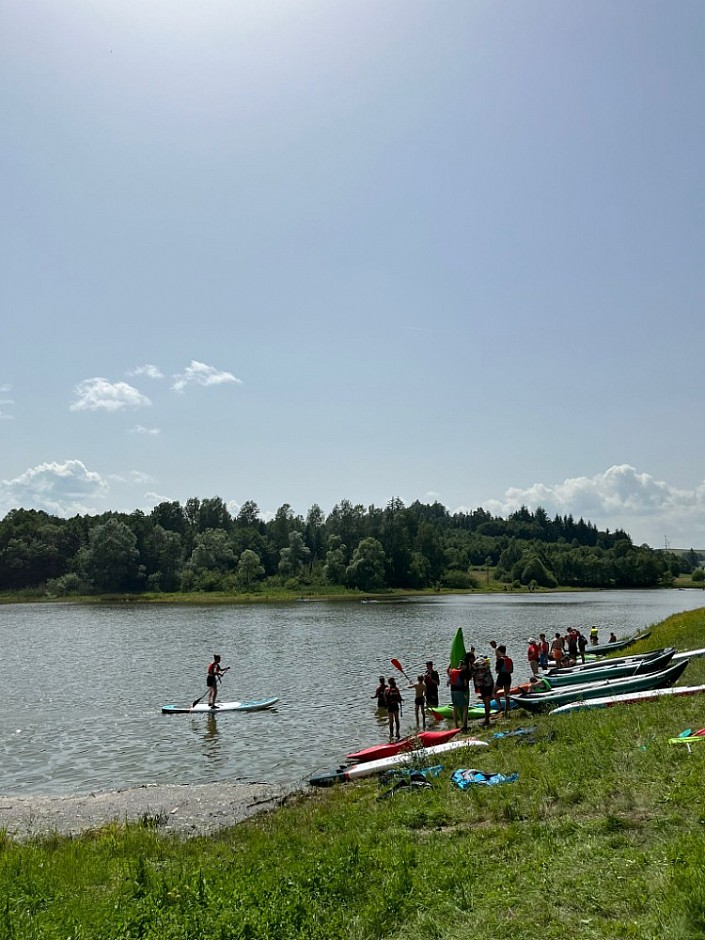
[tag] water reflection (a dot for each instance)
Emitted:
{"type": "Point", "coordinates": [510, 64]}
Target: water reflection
{"type": "Point", "coordinates": [211, 744]}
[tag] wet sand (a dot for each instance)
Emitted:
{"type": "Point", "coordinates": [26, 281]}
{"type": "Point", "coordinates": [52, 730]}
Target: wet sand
{"type": "Point", "coordinates": [191, 810]}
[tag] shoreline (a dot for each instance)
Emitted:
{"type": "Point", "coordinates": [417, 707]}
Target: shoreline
{"type": "Point", "coordinates": [176, 809]}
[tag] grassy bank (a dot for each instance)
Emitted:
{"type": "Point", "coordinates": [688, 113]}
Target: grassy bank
{"type": "Point", "coordinates": [602, 836]}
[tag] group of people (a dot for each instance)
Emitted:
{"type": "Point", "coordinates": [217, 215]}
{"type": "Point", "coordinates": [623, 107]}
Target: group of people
{"type": "Point", "coordinates": [564, 649]}
{"type": "Point", "coordinates": [389, 697]}
{"type": "Point", "coordinates": [477, 670]}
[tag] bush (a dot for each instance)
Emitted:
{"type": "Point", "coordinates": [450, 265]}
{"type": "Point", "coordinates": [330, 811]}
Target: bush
{"type": "Point", "coordinates": [458, 580]}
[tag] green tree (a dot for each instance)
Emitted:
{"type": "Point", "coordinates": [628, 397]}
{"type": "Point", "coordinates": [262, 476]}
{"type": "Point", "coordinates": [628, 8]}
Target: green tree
{"type": "Point", "coordinates": [366, 570]}
{"type": "Point", "coordinates": [110, 560]}
{"type": "Point", "coordinates": [294, 556]}
{"type": "Point", "coordinates": [334, 568]}
{"type": "Point", "coordinates": [249, 569]}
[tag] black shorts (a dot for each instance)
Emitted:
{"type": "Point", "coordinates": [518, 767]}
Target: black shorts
{"type": "Point", "coordinates": [504, 681]}
{"type": "Point", "coordinates": [485, 691]}
{"type": "Point", "coordinates": [210, 681]}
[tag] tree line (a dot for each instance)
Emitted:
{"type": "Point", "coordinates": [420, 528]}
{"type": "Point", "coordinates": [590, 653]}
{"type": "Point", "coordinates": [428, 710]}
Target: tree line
{"type": "Point", "coordinates": [200, 546]}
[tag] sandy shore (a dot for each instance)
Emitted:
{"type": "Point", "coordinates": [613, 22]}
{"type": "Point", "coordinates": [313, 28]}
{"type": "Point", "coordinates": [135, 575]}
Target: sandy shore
{"type": "Point", "coordinates": [185, 810]}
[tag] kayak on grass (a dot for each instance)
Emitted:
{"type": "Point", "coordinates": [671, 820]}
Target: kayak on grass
{"type": "Point", "coordinates": [413, 742]}
{"type": "Point", "coordinates": [255, 706]}
{"type": "Point", "coordinates": [442, 712]}
{"type": "Point", "coordinates": [368, 768]}
{"type": "Point", "coordinates": [603, 663]}
{"type": "Point", "coordinates": [637, 667]}
{"type": "Point", "coordinates": [655, 680]}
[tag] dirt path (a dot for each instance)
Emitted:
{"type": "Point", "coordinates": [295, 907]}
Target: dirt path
{"type": "Point", "coordinates": [186, 810]}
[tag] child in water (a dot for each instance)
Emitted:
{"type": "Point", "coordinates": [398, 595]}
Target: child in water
{"type": "Point", "coordinates": [419, 688]}
{"type": "Point", "coordinates": [380, 693]}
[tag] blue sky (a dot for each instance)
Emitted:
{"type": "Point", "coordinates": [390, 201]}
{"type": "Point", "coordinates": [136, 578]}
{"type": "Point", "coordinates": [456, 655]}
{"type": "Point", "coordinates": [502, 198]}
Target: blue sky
{"type": "Point", "coordinates": [307, 251]}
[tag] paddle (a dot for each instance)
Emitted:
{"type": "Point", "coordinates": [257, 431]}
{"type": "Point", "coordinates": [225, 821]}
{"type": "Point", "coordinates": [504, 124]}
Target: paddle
{"type": "Point", "coordinates": [397, 665]}
{"type": "Point", "coordinates": [218, 679]}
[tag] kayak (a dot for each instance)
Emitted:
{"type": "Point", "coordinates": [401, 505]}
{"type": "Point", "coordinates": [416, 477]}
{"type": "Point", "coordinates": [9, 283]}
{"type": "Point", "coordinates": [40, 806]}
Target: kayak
{"type": "Point", "coordinates": [413, 742]}
{"type": "Point", "coordinates": [613, 661]}
{"type": "Point", "coordinates": [629, 698]}
{"type": "Point", "coordinates": [474, 711]}
{"type": "Point", "coordinates": [603, 648]}
{"type": "Point", "coordinates": [255, 706]}
{"type": "Point", "coordinates": [457, 648]}
{"type": "Point", "coordinates": [654, 680]}
{"type": "Point", "coordinates": [637, 667]}
{"type": "Point", "coordinates": [368, 768]}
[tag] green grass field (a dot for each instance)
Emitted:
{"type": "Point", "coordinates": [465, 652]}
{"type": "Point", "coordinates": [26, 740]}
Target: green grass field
{"type": "Point", "coordinates": [601, 836]}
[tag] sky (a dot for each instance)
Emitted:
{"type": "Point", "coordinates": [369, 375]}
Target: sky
{"type": "Point", "coordinates": [312, 250]}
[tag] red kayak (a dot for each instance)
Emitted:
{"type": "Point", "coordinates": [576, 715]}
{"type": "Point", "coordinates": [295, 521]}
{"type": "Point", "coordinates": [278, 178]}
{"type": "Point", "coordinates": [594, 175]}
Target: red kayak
{"type": "Point", "coordinates": [422, 739]}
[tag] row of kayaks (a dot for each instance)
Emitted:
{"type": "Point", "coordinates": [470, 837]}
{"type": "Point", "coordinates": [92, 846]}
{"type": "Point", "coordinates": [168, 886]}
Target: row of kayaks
{"type": "Point", "coordinates": [426, 746]}
{"type": "Point", "coordinates": [633, 678]}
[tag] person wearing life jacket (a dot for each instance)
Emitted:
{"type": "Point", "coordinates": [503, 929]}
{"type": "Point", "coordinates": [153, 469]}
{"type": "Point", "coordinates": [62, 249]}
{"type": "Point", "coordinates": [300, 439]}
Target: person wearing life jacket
{"type": "Point", "coordinates": [543, 651]}
{"type": "Point", "coordinates": [480, 671]}
{"type": "Point", "coordinates": [594, 636]}
{"type": "Point", "coordinates": [380, 693]}
{"type": "Point", "coordinates": [432, 681]}
{"type": "Point", "coordinates": [458, 682]}
{"type": "Point", "coordinates": [505, 668]}
{"type": "Point", "coordinates": [393, 701]}
{"type": "Point", "coordinates": [533, 656]}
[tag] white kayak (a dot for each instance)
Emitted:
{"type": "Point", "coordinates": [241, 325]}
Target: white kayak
{"type": "Point", "coordinates": [368, 768]}
{"type": "Point", "coordinates": [628, 698]}
{"type": "Point", "coordinates": [255, 706]}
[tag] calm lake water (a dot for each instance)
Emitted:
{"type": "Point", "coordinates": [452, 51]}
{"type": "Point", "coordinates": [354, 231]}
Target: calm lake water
{"type": "Point", "coordinates": [83, 686]}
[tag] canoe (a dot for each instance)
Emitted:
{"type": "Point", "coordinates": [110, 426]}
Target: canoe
{"type": "Point", "coordinates": [411, 759]}
{"type": "Point", "coordinates": [629, 699]}
{"type": "Point", "coordinates": [602, 649]}
{"type": "Point", "coordinates": [474, 711]}
{"type": "Point", "coordinates": [612, 661]}
{"type": "Point", "coordinates": [608, 671]}
{"type": "Point", "coordinates": [254, 706]}
{"type": "Point", "coordinates": [652, 680]}
{"type": "Point", "coordinates": [422, 739]}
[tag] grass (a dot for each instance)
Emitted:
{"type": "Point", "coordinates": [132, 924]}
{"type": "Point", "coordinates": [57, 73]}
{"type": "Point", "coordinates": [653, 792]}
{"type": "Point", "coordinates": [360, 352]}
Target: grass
{"type": "Point", "coordinates": [602, 836]}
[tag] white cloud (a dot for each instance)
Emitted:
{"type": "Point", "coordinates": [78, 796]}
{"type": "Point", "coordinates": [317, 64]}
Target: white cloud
{"type": "Point", "coordinates": [140, 429]}
{"type": "Point", "coordinates": [62, 489]}
{"type": "Point", "coordinates": [99, 394]}
{"type": "Point", "coordinates": [137, 476]}
{"type": "Point", "coordinates": [649, 510]}
{"type": "Point", "coordinates": [198, 373]}
{"type": "Point", "coordinates": [148, 370]}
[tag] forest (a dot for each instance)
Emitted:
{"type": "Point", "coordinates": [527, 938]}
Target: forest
{"type": "Point", "coordinates": [201, 547]}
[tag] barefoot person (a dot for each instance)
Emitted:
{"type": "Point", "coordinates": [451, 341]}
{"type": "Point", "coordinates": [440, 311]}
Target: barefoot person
{"type": "Point", "coordinates": [394, 700]}
{"type": "Point", "coordinates": [419, 688]}
{"type": "Point", "coordinates": [215, 672]}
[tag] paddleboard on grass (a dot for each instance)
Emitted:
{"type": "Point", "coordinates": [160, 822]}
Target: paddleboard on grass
{"type": "Point", "coordinates": [368, 768]}
{"type": "Point", "coordinates": [255, 706]}
{"type": "Point", "coordinates": [628, 698]}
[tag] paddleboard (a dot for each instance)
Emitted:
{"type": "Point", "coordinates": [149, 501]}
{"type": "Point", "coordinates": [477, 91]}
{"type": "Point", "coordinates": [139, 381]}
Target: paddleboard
{"type": "Point", "coordinates": [255, 706]}
{"type": "Point", "coordinates": [368, 768]}
{"type": "Point", "coordinates": [422, 739]}
{"type": "Point", "coordinates": [627, 698]}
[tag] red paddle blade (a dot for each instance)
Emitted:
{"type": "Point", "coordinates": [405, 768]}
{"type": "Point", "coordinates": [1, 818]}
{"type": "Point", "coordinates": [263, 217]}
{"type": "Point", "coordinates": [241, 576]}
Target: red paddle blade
{"type": "Point", "coordinates": [397, 664]}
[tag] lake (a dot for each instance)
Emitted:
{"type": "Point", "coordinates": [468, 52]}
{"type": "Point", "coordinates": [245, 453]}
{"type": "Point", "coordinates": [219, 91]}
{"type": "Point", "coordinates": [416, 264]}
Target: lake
{"type": "Point", "coordinates": [83, 685]}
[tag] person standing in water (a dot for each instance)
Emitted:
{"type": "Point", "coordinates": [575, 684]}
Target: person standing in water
{"type": "Point", "coordinates": [215, 672]}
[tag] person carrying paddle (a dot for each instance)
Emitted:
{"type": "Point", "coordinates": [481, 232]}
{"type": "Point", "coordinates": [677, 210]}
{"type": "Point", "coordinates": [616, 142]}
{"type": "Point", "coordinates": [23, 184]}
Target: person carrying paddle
{"type": "Point", "coordinates": [215, 672]}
